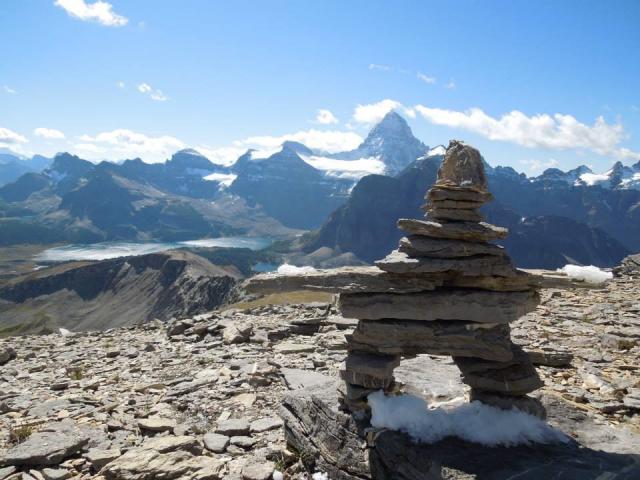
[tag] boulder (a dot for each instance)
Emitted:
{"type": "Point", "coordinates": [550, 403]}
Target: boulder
{"type": "Point", "coordinates": [462, 167]}
{"type": "Point", "coordinates": [6, 355]}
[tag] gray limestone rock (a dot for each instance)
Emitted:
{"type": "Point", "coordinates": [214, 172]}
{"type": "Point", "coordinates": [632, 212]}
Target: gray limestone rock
{"type": "Point", "coordinates": [233, 427]}
{"type": "Point", "coordinates": [469, 305]}
{"type": "Point", "coordinates": [265, 424]}
{"type": "Point", "coordinates": [342, 280]}
{"type": "Point", "coordinates": [156, 424]}
{"type": "Point", "coordinates": [98, 458]}
{"type": "Point", "coordinates": [258, 469]}
{"type": "Point", "coordinates": [524, 403]}
{"type": "Point", "coordinates": [6, 355]}
{"type": "Point", "coordinates": [514, 377]}
{"type": "Point", "coordinates": [421, 246]}
{"type": "Point", "coordinates": [296, 378]}
{"type": "Point", "coordinates": [50, 446]}
{"type": "Point", "coordinates": [149, 464]}
{"type": "Point", "coordinates": [468, 231]}
{"type": "Point", "coordinates": [479, 265]}
{"type": "Point", "coordinates": [55, 473]}
{"type": "Point", "coordinates": [216, 442]}
{"type": "Point", "coordinates": [444, 193]}
{"type": "Point", "coordinates": [462, 167]}
{"type": "Point", "coordinates": [369, 370]}
{"type": "Point", "coordinates": [412, 337]}
{"type": "Point", "coordinates": [454, 214]}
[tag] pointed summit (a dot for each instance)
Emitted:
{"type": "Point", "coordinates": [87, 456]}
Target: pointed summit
{"type": "Point", "coordinates": [392, 142]}
{"type": "Point", "coordinates": [392, 124]}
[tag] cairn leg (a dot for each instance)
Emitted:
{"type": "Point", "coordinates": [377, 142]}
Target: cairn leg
{"type": "Point", "coordinates": [503, 384]}
{"type": "Point", "coordinates": [364, 373]}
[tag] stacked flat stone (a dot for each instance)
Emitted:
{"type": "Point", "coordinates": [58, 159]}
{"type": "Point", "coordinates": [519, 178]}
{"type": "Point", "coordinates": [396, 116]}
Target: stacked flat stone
{"type": "Point", "coordinates": [474, 294]}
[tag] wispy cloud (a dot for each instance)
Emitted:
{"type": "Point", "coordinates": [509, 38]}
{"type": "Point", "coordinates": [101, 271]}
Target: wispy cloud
{"type": "Point", "coordinates": [120, 84]}
{"type": "Point", "coordinates": [100, 12]}
{"type": "Point", "coordinates": [533, 166]}
{"type": "Point", "coordinates": [9, 137]}
{"type": "Point", "coordinates": [154, 94]}
{"type": "Point", "coordinates": [556, 132]}
{"type": "Point", "coordinates": [124, 143]}
{"type": "Point", "coordinates": [377, 66]}
{"type": "Point", "coordinates": [371, 113]}
{"type": "Point", "coordinates": [49, 133]}
{"type": "Point", "coordinates": [426, 78]}
{"type": "Point", "coordinates": [12, 140]}
{"type": "Point", "coordinates": [331, 141]}
{"type": "Point", "coordinates": [450, 85]}
{"type": "Point", "coordinates": [374, 112]}
{"type": "Point", "coordinates": [9, 90]}
{"type": "Point", "coordinates": [325, 117]}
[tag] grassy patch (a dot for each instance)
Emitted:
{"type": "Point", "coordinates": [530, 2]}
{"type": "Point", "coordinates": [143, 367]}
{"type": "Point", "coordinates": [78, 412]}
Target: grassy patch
{"type": "Point", "coordinates": [20, 434]}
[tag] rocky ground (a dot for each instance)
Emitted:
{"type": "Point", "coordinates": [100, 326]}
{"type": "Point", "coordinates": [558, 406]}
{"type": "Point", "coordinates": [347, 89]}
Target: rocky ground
{"type": "Point", "coordinates": [199, 398]}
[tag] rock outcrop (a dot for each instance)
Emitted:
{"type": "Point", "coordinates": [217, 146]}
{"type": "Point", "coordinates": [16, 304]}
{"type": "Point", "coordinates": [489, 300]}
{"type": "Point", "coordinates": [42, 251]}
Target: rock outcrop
{"type": "Point", "coordinates": [111, 293]}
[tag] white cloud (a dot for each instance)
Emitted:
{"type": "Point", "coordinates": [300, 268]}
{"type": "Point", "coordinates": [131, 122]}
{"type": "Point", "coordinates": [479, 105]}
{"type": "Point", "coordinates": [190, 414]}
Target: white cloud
{"type": "Point", "coordinates": [325, 117]}
{"type": "Point", "coordinates": [450, 85]}
{"type": "Point", "coordinates": [99, 11]}
{"type": "Point", "coordinates": [554, 132]}
{"type": "Point", "coordinates": [125, 143]}
{"type": "Point", "coordinates": [50, 133]}
{"type": "Point", "coordinates": [120, 84]}
{"type": "Point", "coordinates": [9, 90]}
{"type": "Point", "coordinates": [222, 155]}
{"type": "Point", "coordinates": [376, 66]}
{"type": "Point", "coordinates": [533, 165]}
{"type": "Point", "coordinates": [9, 137]}
{"type": "Point", "coordinates": [89, 147]}
{"type": "Point", "coordinates": [154, 94]}
{"type": "Point", "coordinates": [331, 141]}
{"type": "Point", "coordinates": [426, 78]}
{"type": "Point", "coordinates": [374, 112]}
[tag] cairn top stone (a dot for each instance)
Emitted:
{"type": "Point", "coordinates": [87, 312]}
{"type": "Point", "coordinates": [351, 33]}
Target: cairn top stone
{"type": "Point", "coordinates": [462, 167]}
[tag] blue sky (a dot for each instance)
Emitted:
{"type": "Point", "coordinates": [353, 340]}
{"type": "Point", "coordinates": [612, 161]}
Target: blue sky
{"type": "Point", "coordinates": [532, 84]}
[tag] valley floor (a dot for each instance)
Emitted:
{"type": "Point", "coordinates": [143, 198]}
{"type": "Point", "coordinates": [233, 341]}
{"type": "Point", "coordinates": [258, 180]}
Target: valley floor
{"type": "Point", "coordinates": [73, 405]}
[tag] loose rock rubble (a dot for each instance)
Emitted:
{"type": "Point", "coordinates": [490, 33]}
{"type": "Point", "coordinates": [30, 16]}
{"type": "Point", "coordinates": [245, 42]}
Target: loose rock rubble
{"type": "Point", "coordinates": [175, 400]}
{"type": "Point", "coordinates": [193, 380]}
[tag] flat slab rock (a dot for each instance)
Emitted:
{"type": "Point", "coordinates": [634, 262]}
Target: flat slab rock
{"type": "Point", "coordinates": [468, 231]}
{"type": "Point", "coordinates": [342, 280]}
{"type": "Point", "coordinates": [332, 442]}
{"type": "Point", "coordinates": [400, 262]}
{"type": "Point", "coordinates": [49, 446]}
{"type": "Point", "coordinates": [418, 245]}
{"type": "Point", "coordinates": [373, 279]}
{"type": "Point", "coordinates": [451, 304]}
{"type": "Point", "coordinates": [412, 337]}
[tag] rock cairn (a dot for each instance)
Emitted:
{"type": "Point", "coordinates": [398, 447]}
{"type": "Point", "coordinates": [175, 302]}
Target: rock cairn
{"type": "Point", "coordinates": [465, 313]}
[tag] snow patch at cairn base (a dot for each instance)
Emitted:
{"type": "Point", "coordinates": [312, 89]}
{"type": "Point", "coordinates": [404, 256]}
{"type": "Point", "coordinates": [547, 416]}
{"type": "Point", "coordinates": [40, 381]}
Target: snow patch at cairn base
{"type": "Point", "coordinates": [474, 422]}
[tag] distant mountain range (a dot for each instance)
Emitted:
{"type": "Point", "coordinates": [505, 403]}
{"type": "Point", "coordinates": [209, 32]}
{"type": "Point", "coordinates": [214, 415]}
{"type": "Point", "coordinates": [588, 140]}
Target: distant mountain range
{"type": "Point", "coordinates": [354, 196]}
{"type": "Point", "coordinates": [13, 166]}
{"type": "Point", "coordinates": [550, 223]}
